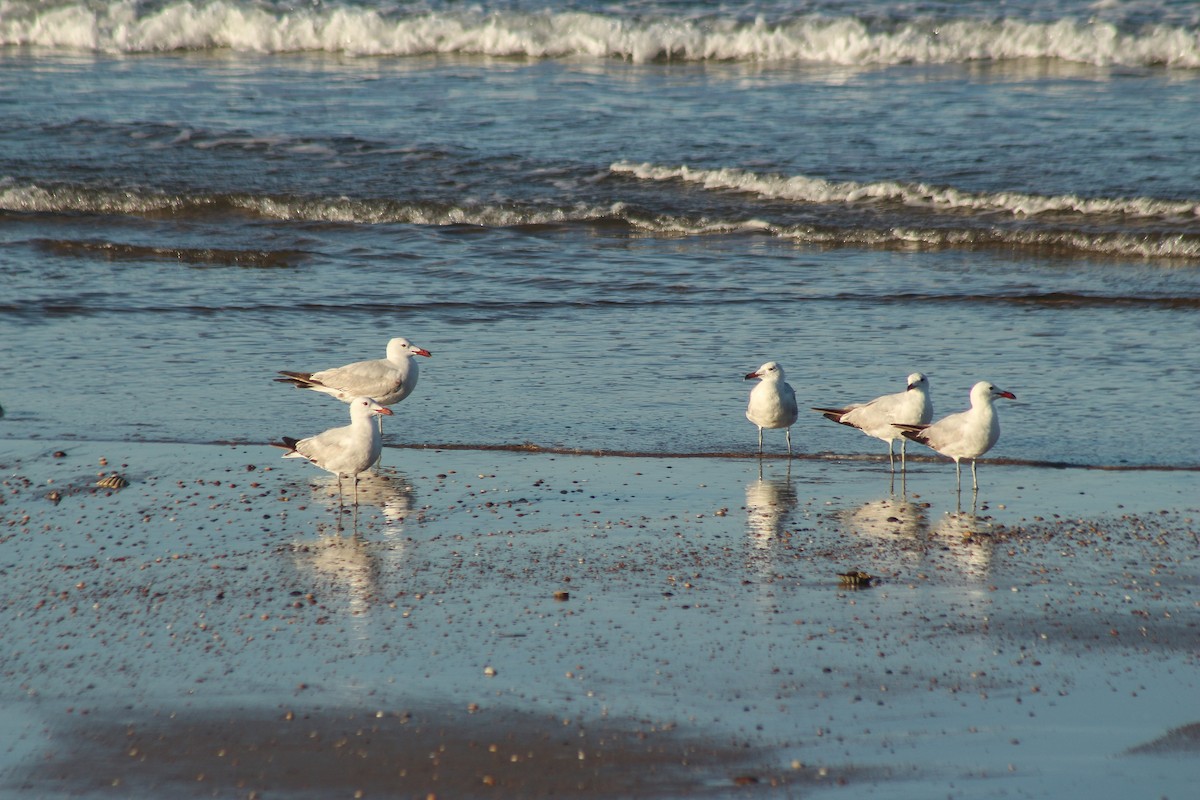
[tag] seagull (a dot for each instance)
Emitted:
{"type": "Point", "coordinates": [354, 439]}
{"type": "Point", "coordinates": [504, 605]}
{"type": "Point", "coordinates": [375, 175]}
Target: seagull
{"type": "Point", "coordinates": [879, 416]}
{"type": "Point", "coordinates": [344, 451]}
{"type": "Point", "coordinates": [967, 434]}
{"type": "Point", "coordinates": [772, 402]}
{"type": "Point", "coordinates": [387, 380]}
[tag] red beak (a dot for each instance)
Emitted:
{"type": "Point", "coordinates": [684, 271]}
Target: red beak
{"type": "Point", "coordinates": [384, 410]}
{"type": "Point", "coordinates": [420, 351]}
{"type": "Point", "coordinates": [751, 375]}
{"type": "Point", "coordinates": [1009, 395]}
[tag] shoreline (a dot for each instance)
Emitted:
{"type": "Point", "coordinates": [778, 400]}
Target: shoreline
{"type": "Point", "coordinates": [925, 457]}
{"type": "Point", "coordinates": [684, 616]}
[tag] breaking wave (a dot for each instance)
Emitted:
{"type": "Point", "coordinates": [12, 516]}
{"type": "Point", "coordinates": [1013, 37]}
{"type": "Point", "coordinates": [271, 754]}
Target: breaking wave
{"type": "Point", "coordinates": [1139, 227]}
{"type": "Point", "coordinates": [339, 210]}
{"type": "Point", "coordinates": [356, 30]}
{"type": "Point", "coordinates": [800, 188]}
{"type": "Point", "coordinates": [1078, 238]}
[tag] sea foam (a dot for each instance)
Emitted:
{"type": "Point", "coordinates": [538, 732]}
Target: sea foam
{"type": "Point", "coordinates": [245, 26]}
{"type": "Point", "coordinates": [800, 188]}
{"type": "Point", "coordinates": [28, 198]}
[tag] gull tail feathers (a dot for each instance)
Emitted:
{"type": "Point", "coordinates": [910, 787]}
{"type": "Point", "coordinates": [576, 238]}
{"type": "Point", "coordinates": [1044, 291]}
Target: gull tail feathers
{"type": "Point", "coordinates": [834, 414]}
{"type": "Point", "coordinates": [301, 380]}
{"type": "Point", "coordinates": [288, 444]}
{"type": "Point", "coordinates": [914, 432]}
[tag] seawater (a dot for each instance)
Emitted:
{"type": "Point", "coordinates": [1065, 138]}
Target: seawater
{"type": "Point", "coordinates": [600, 216]}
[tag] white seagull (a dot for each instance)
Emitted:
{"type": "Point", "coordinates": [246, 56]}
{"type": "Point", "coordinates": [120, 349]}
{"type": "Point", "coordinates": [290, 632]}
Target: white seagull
{"type": "Point", "coordinates": [878, 417]}
{"type": "Point", "coordinates": [387, 380]}
{"type": "Point", "coordinates": [344, 451]}
{"type": "Point", "coordinates": [772, 402]}
{"type": "Point", "coordinates": [967, 434]}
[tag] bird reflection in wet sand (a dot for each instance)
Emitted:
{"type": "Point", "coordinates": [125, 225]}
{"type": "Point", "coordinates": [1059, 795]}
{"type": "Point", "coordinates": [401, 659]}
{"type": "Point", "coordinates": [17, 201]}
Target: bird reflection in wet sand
{"type": "Point", "coordinates": [388, 490]}
{"type": "Point", "coordinates": [352, 565]}
{"type": "Point", "coordinates": [896, 515]}
{"type": "Point", "coordinates": [898, 528]}
{"type": "Point", "coordinates": [769, 506]}
{"type": "Point", "coordinates": [966, 541]}
{"type": "Point", "coordinates": [340, 566]}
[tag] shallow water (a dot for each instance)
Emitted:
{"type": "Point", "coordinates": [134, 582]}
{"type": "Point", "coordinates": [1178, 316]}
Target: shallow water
{"type": "Point", "coordinates": [1020, 650]}
{"type": "Point", "coordinates": [597, 246]}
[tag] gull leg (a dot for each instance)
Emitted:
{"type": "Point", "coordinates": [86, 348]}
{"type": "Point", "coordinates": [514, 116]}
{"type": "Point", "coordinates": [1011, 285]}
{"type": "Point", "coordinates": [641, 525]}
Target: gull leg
{"type": "Point", "coordinates": [340, 510]}
{"type": "Point", "coordinates": [356, 504]}
{"type": "Point", "coordinates": [958, 475]}
{"type": "Point", "coordinates": [760, 441]}
{"type": "Point", "coordinates": [788, 433]}
{"type": "Point", "coordinates": [903, 454]}
{"type": "Point", "coordinates": [891, 456]}
{"type": "Point", "coordinates": [379, 460]}
{"type": "Point", "coordinates": [974, 480]}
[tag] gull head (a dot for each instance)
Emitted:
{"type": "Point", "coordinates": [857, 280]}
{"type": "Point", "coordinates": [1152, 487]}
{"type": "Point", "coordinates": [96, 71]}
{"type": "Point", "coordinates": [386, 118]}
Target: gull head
{"type": "Point", "coordinates": [400, 347]}
{"type": "Point", "coordinates": [768, 371]}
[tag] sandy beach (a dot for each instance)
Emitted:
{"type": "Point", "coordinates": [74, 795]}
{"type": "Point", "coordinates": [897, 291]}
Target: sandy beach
{"type": "Point", "coordinates": [573, 577]}
{"type": "Point", "coordinates": [539, 624]}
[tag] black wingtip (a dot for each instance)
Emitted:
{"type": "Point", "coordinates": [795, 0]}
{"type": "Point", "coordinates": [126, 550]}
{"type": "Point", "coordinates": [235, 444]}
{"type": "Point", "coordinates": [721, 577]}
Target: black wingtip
{"type": "Point", "coordinates": [288, 444]}
{"type": "Point", "coordinates": [834, 415]}
{"type": "Point", "coordinates": [914, 432]}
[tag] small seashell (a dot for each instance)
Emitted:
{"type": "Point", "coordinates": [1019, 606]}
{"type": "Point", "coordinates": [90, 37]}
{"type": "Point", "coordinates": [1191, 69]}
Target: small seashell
{"type": "Point", "coordinates": [489, 671]}
{"type": "Point", "coordinates": [857, 578]}
{"type": "Point", "coordinates": [561, 595]}
{"type": "Point", "coordinates": [54, 496]}
{"type": "Point", "coordinates": [113, 481]}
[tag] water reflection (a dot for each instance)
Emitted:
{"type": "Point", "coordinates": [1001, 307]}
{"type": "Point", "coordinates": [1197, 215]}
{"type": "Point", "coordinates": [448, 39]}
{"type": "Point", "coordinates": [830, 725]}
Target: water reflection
{"type": "Point", "coordinates": [347, 559]}
{"type": "Point", "coordinates": [895, 515]}
{"type": "Point", "coordinates": [967, 543]}
{"type": "Point", "coordinates": [388, 490]}
{"type": "Point", "coordinates": [900, 527]}
{"type": "Point", "coordinates": [341, 565]}
{"type": "Point", "coordinates": [769, 506]}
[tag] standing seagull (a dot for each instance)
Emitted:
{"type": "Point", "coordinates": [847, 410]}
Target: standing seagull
{"type": "Point", "coordinates": [343, 451]}
{"type": "Point", "coordinates": [387, 380]}
{"type": "Point", "coordinates": [772, 402]}
{"type": "Point", "coordinates": [879, 417]}
{"type": "Point", "coordinates": [967, 434]}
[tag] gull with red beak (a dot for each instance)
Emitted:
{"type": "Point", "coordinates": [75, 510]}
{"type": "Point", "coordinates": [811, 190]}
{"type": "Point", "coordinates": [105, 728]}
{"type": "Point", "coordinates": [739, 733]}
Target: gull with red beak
{"type": "Point", "coordinates": [880, 416]}
{"type": "Point", "coordinates": [345, 451]}
{"type": "Point", "coordinates": [772, 402]}
{"type": "Point", "coordinates": [386, 380]}
{"type": "Point", "coordinates": [967, 434]}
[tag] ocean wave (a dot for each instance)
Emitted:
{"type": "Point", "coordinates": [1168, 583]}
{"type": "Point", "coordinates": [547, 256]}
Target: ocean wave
{"type": "Point", "coordinates": [1063, 241]}
{"type": "Point", "coordinates": [1060, 243]}
{"type": "Point", "coordinates": [259, 27]}
{"type": "Point", "coordinates": [194, 256]}
{"type": "Point", "coordinates": [803, 189]}
{"type": "Point", "coordinates": [32, 198]}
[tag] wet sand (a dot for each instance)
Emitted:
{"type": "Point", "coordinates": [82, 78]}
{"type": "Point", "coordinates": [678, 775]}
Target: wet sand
{"type": "Point", "coordinates": [542, 624]}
